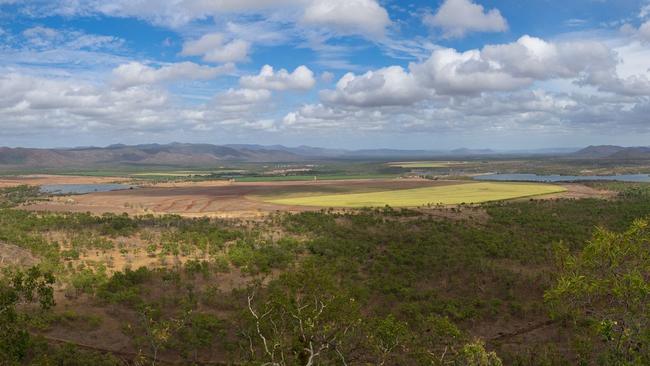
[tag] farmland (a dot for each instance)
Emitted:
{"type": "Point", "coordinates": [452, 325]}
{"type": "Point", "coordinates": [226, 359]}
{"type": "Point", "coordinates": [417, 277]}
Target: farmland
{"type": "Point", "coordinates": [440, 266]}
{"type": "Point", "coordinates": [425, 164]}
{"type": "Point", "coordinates": [452, 194]}
{"type": "Point", "coordinates": [473, 274]}
{"type": "Point", "coordinates": [256, 199]}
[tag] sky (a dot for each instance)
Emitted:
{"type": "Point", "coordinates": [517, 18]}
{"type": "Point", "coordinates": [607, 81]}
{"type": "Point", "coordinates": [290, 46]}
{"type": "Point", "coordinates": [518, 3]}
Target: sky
{"type": "Point", "coordinates": [421, 74]}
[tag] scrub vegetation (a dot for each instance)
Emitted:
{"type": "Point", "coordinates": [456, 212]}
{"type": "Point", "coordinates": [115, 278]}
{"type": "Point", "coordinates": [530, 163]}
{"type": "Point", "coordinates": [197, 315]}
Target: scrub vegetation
{"type": "Point", "coordinates": [527, 282]}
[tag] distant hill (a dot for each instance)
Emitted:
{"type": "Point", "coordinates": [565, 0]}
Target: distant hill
{"type": "Point", "coordinates": [175, 154]}
{"type": "Point", "coordinates": [612, 152]}
{"type": "Point", "coordinates": [205, 155]}
{"type": "Point", "coordinates": [466, 151]}
{"type": "Point", "coordinates": [197, 155]}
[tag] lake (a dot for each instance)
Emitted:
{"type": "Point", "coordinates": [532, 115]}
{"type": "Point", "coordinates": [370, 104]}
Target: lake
{"type": "Point", "coordinates": [82, 188]}
{"type": "Point", "coordinates": [563, 178]}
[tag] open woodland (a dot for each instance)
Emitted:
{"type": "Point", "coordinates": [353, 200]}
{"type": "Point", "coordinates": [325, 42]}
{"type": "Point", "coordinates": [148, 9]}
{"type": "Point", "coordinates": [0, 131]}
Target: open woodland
{"type": "Point", "coordinates": [324, 183]}
{"type": "Point", "coordinates": [558, 278]}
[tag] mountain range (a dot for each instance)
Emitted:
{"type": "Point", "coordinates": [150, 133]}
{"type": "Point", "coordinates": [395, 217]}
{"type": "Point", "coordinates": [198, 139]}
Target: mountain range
{"type": "Point", "coordinates": [613, 152]}
{"type": "Point", "coordinates": [201, 155]}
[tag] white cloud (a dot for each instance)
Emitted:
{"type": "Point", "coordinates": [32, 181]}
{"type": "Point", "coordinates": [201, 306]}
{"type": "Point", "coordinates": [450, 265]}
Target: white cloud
{"type": "Point", "coordinates": [41, 32]}
{"type": "Point", "coordinates": [37, 105]}
{"type": "Point", "coordinates": [327, 77]}
{"type": "Point", "coordinates": [213, 48]}
{"type": "Point", "coordinates": [136, 73]}
{"type": "Point", "coordinates": [365, 17]}
{"type": "Point", "coordinates": [302, 78]}
{"type": "Point", "coordinates": [536, 58]}
{"type": "Point", "coordinates": [28, 102]}
{"type": "Point", "coordinates": [458, 17]}
{"type": "Point", "coordinates": [448, 71]}
{"type": "Point", "coordinates": [495, 68]}
{"type": "Point", "coordinates": [233, 51]}
{"type": "Point", "coordinates": [518, 113]}
{"type": "Point", "coordinates": [203, 45]}
{"type": "Point", "coordinates": [242, 97]}
{"type": "Point", "coordinates": [387, 86]}
{"type": "Point", "coordinates": [645, 11]}
{"type": "Point", "coordinates": [42, 38]}
{"type": "Point", "coordinates": [644, 31]}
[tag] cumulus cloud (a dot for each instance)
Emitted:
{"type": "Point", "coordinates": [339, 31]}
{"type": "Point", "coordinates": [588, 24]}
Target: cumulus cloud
{"type": "Point", "coordinates": [364, 17]}
{"type": "Point", "coordinates": [645, 11]}
{"type": "Point", "coordinates": [517, 112]}
{"type": "Point", "coordinates": [448, 71]}
{"type": "Point", "coordinates": [495, 68]}
{"type": "Point", "coordinates": [494, 89]}
{"type": "Point", "coordinates": [38, 105]}
{"type": "Point", "coordinates": [644, 31]}
{"type": "Point", "coordinates": [302, 78]}
{"type": "Point", "coordinates": [456, 18]}
{"type": "Point", "coordinates": [214, 48]}
{"type": "Point", "coordinates": [535, 58]}
{"type": "Point", "coordinates": [388, 86]}
{"type": "Point", "coordinates": [242, 97]}
{"type": "Point", "coordinates": [641, 33]}
{"type": "Point", "coordinates": [34, 102]}
{"type": "Point", "coordinates": [136, 73]}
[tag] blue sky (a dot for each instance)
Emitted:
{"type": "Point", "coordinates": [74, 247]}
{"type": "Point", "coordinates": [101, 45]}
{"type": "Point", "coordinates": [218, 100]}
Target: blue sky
{"type": "Point", "coordinates": [504, 74]}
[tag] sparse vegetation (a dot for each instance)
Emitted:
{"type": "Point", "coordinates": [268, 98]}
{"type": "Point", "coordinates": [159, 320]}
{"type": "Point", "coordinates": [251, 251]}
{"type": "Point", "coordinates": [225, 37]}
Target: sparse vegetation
{"type": "Point", "coordinates": [463, 285]}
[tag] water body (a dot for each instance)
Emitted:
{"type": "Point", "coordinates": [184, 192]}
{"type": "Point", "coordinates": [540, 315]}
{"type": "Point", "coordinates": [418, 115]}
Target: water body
{"type": "Point", "coordinates": [82, 188]}
{"type": "Point", "coordinates": [562, 178]}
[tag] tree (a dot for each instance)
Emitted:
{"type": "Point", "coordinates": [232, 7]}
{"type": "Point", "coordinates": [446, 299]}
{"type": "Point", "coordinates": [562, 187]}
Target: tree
{"type": "Point", "coordinates": [159, 331]}
{"type": "Point", "coordinates": [607, 284]}
{"type": "Point", "coordinates": [474, 354]}
{"type": "Point", "coordinates": [303, 319]}
{"type": "Point", "coordinates": [18, 290]}
{"type": "Point", "coordinates": [386, 336]}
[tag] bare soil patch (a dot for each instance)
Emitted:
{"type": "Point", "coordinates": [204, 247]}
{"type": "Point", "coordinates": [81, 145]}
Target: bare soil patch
{"type": "Point", "coordinates": [12, 255]}
{"type": "Point", "coordinates": [40, 179]}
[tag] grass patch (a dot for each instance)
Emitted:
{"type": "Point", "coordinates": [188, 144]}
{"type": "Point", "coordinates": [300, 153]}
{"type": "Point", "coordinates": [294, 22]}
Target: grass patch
{"type": "Point", "coordinates": [446, 195]}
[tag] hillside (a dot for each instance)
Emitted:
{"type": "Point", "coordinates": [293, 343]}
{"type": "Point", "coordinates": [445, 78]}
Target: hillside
{"type": "Point", "coordinates": [202, 155]}
{"type": "Point", "coordinates": [192, 155]}
{"type": "Point", "coordinates": [613, 152]}
{"type": "Point", "coordinates": [175, 154]}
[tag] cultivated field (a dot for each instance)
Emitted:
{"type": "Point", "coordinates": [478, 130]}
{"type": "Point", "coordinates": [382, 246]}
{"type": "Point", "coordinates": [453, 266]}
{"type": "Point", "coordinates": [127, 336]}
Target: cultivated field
{"type": "Point", "coordinates": [424, 164]}
{"type": "Point", "coordinates": [40, 179]}
{"type": "Point", "coordinates": [257, 199]}
{"type": "Point", "coordinates": [219, 198]}
{"type": "Point", "coordinates": [446, 195]}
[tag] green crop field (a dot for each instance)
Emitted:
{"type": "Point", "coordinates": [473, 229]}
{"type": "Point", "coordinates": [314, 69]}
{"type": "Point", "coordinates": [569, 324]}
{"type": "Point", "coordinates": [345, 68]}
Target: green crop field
{"type": "Point", "coordinates": [447, 195]}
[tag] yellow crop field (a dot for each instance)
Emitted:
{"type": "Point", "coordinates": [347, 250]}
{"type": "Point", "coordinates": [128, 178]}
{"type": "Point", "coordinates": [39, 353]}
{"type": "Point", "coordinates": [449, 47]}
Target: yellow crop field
{"type": "Point", "coordinates": [446, 195]}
